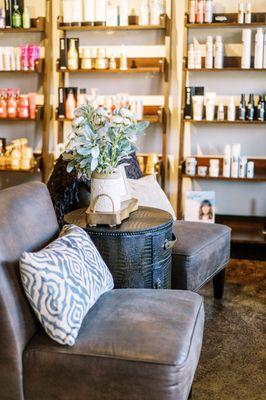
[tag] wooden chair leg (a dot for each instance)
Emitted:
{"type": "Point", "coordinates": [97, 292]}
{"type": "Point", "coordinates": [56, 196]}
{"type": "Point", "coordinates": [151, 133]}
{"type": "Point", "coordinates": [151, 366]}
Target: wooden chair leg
{"type": "Point", "coordinates": [218, 285]}
{"type": "Point", "coordinates": [190, 394]}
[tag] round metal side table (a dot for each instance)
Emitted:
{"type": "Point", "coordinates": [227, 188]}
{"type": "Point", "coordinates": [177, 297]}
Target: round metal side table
{"type": "Point", "coordinates": [138, 252]}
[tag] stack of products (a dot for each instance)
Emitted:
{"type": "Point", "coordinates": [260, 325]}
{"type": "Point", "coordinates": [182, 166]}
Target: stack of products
{"type": "Point", "coordinates": [70, 98]}
{"type": "Point", "coordinates": [233, 165]}
{"type": "Point", "coordinates": [103, 12]}
{"type": "Point", "coordinates": [21, 58]}
{"type": "Point", "coordinates": [14, 15]}
{"type": "Point", "coordinates": [73, 58]}
{"type": "Point", "coordinates": [15, 105]}
{"type": "Point", "coordinates": [200, 105]}
{"type": "Point", "coordinates": [16, 156]}
{"type": "Point", "coordinates": [201, 11]}
{"type": "Point", "coordinates": [214, 52]}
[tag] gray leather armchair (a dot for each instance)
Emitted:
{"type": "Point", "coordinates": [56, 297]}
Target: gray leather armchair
{"type": "Point", "coordinates": [134, 344]}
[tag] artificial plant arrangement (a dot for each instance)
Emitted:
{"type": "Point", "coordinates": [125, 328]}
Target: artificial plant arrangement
{"type": "Point", "coordinates": [100, 141]}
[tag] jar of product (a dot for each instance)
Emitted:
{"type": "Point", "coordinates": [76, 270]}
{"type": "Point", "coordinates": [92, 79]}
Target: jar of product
{"type": "Point", "coordinates": [101, 60]}
{"type": "Point", "coordinates": [26, 158]}
{"type": "Point", "coordinates": [214, 168]}
{"type": "Point", "coordinates": [86, 60]}
{"type": "Point", "coordinates": [112, 62]}
{"type": "Point", "coordinates": [15, 158]}
{"type": "Point", "coordinates": [23, 107]}
{"type": "Point", "coordinates": [202, 170]}
{"type": "Point", "coordinates": [191, 164]}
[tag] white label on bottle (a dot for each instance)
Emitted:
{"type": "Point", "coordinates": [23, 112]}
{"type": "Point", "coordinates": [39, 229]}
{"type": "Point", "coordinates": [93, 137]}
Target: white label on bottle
{"type": "Point", "coordinates": [88, 10]}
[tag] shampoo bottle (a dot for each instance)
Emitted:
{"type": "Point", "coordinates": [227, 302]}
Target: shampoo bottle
{"type": "Point", "coordinates": [246, 49]}
{"type": "Point", "coordinates": [209, 53]}
{"type": "Point", "coordinates": [259, 39]}
{"type": "Point", "coordinates": [219, 53]}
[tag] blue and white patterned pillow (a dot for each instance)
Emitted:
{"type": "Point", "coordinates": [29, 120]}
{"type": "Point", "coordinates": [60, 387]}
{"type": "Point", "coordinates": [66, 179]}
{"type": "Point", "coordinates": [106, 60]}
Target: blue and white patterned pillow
{"type": "Point", "coordinates": [63, 281]}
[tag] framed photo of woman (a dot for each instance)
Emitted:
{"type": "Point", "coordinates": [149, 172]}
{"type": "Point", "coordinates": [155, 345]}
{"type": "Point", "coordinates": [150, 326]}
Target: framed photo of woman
{"type": "Point", "coordinates": [200, 206]}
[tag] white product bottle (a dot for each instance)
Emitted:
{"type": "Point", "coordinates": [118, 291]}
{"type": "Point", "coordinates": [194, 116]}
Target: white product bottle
{"type": "Point", "coordinates": [259, 42]}
{"type": "Point", "coordinates": [220, 115]}
{"type": "Point", "coordinates": [241, 7]}
{"type": "Point", "coordinates": [264, 51]}
{"type": "Point", "coordinates": [208, 14]}
{"type": "Point", "coordinates": [123, 58]}
{"type": "Point", "coordinates": [144, 13]}
{"type": "Point", "coordinates": [76, 10]}
{"type": "Point", "coordinates": [192, 11]}
{"type": "Point", "coordinates": [100, 11]}
{"type": "Point", "coordinates": [236, 150]}
{"type": "Point", "coordinates": [246, 49]}
{"type": "Point", "coordinates": [242, 173]}
{"type": "Point", "coordinates": [197, 55]}
{"type": "Point", "coordinates": [191, 57]}
{"type": "Point", "coordinates": [231, 112]}
{"type": "Point", "coordinates": [155, 12]}
{"type": "Point", "coordinates": [227, 161]}
{"type": "Point", "coordinates": [200, 11]}
{"type": "Point", "coordinates": [209, 53]}
{"type": "Point", "coordinates": [219, 53]}
{"type": "Point", "coordinates": [123, 13]}
{"type": "Point", "coordinates": [112, 15]}
{"type": "Point", "coordinates": [67, 12]}
{"type": "Point", "coordinates": [88, 12]}
{"type": "Point", "coordinates": [248, 13]}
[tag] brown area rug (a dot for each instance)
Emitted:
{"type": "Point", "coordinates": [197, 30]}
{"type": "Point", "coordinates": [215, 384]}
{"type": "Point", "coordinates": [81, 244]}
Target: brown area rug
{"type": "Point", "coordinates": [233, 360]}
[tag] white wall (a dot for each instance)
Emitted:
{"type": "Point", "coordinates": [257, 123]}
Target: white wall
{"type": "Point", "coordinates": [232, 198]}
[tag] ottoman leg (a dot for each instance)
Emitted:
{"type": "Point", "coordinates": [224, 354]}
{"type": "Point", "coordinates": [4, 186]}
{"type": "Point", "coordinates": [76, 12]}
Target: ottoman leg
{"type": "Point", "coordinates": [218, 285]}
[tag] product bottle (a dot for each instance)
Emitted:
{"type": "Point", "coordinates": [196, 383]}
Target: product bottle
{"type": "Point", "coordinates": [155, 12]}
{"type": "Point", "coordinates": [231, 112]}
{"type": "Point", "coordinates": [88, 12]}
{"type": "Point", "coordinates": [248, 13]}
{"type": "Point", "coordinates": [3, 105]}
{"type": "Point", "coordinates": [220, 115]}
{"type": "Point", "coordinates": [264, 51]}
{"type": "Point", "coordinates": [240, 17]}
{"type": "Point", "coordinates": [112, 62]}
{"type": "Point", "coordinates": [16, 17]}
{"type": "Point", "coordinates": [246, 49]}
{"type": "Point", "coordinates": [144, 13]}
{"type": "Point", "coordinates": [236, 150]}
{"type": "Point", "coordinates": [67, 12]}
{"type": "Point", "coordinates": [191, 56]}
{"type": "Point", "coordinates": [70, 104]}
{"type": "Point", "coordinates": [197, 55]}
{"type": "Point", "coordinates": [227, 161]}
{"type": "Point", "coordinates": [242, 108]}
{"type": "Point", "coordinates": [200, 11]}
{"type": "Point", "coordinates": [111, 14]}
{"type": "Point", "coordinates": [86, 60]}
{"type": "Point", "coordinates": [188, 101]}
{"type": "Point", "coordinates": [261, 109]}
{"type": "Point", "coordinates": [259, 39]}
{"type": "Point", "coordinates": [26, 18]}
{"type": "Point", "coordinates": [251, 108]}
{"type": "Point", "coordinates": [11, 105]}
{"type": "Point", "coordinates": [219, 53]}
{"type": "Point", "coordinates": [209, 53]}
{"type": "Point", "coordinates": [76, 12]}
{"type": "Point", "coordinates": [242, 173]}
{"type": "Point", "coordinates": [100, 9]}
{"type": "Point", "coordinates": [208, 12]}
{"type": "Point", "coordinates": [82, 97]}
{"type": "Point", "coordinates": [123, 13]}
{"type": "Point", "coordinates": [192, 4]}
{"type": "Point", "coordinates": [123, 59]}
{"type": "Point", "coordinates": [23, 108]}
{"type": "Point", "coordinates": [72, 56]}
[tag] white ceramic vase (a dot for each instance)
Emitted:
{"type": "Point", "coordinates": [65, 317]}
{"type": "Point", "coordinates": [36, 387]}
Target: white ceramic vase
{"type": "Point", "coordinates": [106, 192]}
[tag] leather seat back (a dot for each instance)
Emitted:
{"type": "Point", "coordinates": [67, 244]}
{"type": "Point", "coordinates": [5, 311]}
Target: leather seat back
{"type": "Point", "coordinates": [27, 223]}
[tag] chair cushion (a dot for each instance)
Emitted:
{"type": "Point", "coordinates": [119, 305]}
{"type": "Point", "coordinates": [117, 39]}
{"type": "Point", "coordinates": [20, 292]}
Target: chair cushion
{"type": "Point", "coordinates": [63, 281]}
{"type": "Point", "coordinates": [200, 252]}
{"type": "Point", "coordinates": [134, 344]}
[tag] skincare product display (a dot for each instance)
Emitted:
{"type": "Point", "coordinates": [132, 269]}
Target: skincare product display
{"type": "Point", "coordinates": [206, 106]}
{"type": "Point", "coordinates": [200, 11]}
{"type": "Point", "coordinates": [21, 58]}
{"type": "Point", "coordinates": [16, 156]}
{"type": "Point", "coordinates": [69, 98]}
{"type": "Point", "coordinates": [111, 13]}
{"type": "Point", "coordinates": [15, 105]}
{"type": "Point", "coordinates": [72, 57]}
{"type": "Point", "coordinates": [14, 15]}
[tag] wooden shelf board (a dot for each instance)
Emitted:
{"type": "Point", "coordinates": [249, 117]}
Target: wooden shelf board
{"type": "Point", "coordinates": [153, 119]}
{"type": "Point", "coordinates": [21, 30]}
{"type": "Point", "coordinates": [112, 28]}
{"type": "Point", "coordinates": [236, 122]}
{"type": "Point", "coordinates": [215, 25]}
{"type": "Point", "coordinates": [257, 178]}
{"type": "Point", "coordinates": [113, 71]}
{"type": "Point", "coordinates": [225, 69]}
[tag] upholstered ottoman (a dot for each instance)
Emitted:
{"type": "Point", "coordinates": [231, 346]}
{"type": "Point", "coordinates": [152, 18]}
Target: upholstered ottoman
{"type": "Point", "coordinates": [201, 252]}
{"type": "Point", "coordinates": [134, 344]}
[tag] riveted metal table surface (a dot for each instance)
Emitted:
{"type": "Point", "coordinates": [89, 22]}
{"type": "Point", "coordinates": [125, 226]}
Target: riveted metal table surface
{"type": "Point", "coordinates": [138, 252]}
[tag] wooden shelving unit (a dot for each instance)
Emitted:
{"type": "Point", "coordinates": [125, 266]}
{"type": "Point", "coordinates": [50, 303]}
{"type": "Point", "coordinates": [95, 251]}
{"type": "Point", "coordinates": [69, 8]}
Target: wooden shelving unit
{"type": "Point", "coordinates": [40, 171]}
{"type": "Point", "coordinates": [153, 114]}
{"type": "Point", "coordinates": [245, 229]}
